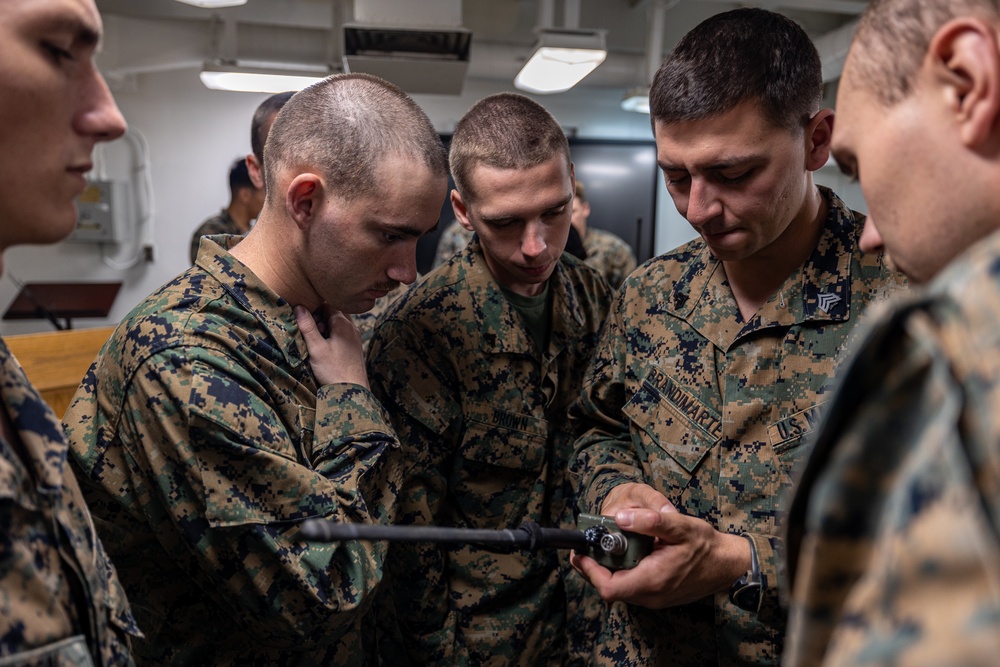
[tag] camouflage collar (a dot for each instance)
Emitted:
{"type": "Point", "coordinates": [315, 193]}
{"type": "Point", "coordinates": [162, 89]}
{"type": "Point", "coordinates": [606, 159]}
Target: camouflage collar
{"type": "Point", "coordinates": [272, 311]}
{"type": "Point", "coordinates": [501, 328]}
{"type": "Point", "coordinates": [826, 276]}
{"type": "Point", "coordinates": [819, 290]}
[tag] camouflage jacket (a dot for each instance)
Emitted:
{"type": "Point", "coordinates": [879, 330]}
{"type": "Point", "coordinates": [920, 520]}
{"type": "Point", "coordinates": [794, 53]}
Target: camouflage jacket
{"type": "Point", "coordinates": [894, 533]}
{"type": "Point", "coordinates": [453, 240]}
{"type": "Point", "coordinates": [712, 411]}
{"type": "Point", "coordinates": [222, 223]}
{"type": "Point", "coordinates": [60, 600]}
{"type": "Point", "coordinates": [365, 322]}
{"type": "Point", "coordinates": [204, 441]}
{"type": "Point", "coordinates": [610, 255]}
{"type": "Point", "coordinates": [481, 414]}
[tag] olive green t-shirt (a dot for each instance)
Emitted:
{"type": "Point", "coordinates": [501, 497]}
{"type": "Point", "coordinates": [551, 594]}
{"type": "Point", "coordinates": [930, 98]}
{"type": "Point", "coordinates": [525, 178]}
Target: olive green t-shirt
{"type": "Point", "coordinates": [537, 313]}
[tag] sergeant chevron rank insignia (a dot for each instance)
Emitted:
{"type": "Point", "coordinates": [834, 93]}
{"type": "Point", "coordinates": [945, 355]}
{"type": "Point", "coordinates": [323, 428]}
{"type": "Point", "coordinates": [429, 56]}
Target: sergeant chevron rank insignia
{"type": "Point", "coordinates": [827, 301]}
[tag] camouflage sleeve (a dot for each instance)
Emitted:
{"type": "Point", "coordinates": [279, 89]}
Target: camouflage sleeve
{"type": "Point", "coordinates": [427, 416]}
{"type": "Point", "coordinates": [212, 470]}
{"type": "Point", "coordinates": [605, 455]}
{"type": "Point", "coordinates": [893, 541]}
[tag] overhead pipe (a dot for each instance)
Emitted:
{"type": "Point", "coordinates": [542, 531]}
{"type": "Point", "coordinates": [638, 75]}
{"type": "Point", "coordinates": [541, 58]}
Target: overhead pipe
{"type": "Point", "coordinates": [654, 38]}
{"type": "Point", "coordinates": [546, 14]}
{"type": "Point", "coordinates": [571, 14]}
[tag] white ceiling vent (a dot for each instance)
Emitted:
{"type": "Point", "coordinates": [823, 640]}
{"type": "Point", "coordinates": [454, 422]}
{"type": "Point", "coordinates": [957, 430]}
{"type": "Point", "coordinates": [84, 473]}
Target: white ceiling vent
{"type": "Point", "coordinates": [418, 45]}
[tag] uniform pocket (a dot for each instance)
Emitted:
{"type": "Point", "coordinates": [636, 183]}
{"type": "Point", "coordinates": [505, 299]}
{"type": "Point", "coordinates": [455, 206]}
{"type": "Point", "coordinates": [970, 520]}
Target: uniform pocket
{"type": "Point", "coordinates": [501, 458]}
{"type": "Point", "coordinates": [673, 420]}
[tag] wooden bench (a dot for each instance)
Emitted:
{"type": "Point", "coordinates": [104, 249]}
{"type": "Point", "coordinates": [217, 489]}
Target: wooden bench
{"type": "Point", "coordinates": [56, 362]}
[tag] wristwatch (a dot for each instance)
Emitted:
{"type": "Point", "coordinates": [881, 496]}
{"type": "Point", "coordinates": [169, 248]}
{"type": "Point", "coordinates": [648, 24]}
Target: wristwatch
{"type": "Point", "coordinates": [745, 591]}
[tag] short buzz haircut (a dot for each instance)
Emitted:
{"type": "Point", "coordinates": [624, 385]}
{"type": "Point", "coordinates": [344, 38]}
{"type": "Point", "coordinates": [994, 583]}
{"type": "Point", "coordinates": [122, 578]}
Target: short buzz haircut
{"type": "Point", "coordinates": [739, 56]}
{"type": "Point", "coordinates": [503, 131]}
{"type": "Point", "coordinates": [267, 108]}
{"type": "Point", "coordinates": [894, 36]}
{"type": "Point", "coordinates": [239, 177]}
{"type": "Point", "coordinates": [344, 126]}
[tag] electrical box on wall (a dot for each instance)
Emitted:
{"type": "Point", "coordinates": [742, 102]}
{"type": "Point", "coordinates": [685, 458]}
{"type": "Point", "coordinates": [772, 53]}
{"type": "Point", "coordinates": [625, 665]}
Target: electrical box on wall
{"type": "Point", "coordinates": [100, 210]}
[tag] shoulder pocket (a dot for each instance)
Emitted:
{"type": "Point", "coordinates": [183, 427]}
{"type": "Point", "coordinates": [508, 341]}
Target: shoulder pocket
{"type": "Point", "coordinates": [506, 439]}
{"type": "Point", "coordinates": [673, 419]}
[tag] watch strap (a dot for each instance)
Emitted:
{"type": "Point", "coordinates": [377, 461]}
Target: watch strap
{"type": "Point", "coordinates": [746, 591]}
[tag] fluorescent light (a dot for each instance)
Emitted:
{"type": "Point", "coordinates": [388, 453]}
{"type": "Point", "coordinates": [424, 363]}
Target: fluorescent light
{"type": "Point", "coordinates": [214, 4]}
{"type": "Point", "coordinates": [561, 60]}
{"type": "Point", "coordinates": [258, 79]}
{"type": "Point", "coordinates": [636, 99]}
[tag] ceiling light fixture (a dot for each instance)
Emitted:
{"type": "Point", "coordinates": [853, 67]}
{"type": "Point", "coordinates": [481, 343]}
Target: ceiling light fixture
{"type": "Point", "coordinates": [252, 79]}
{"type": "Point", "coordinates": [214, 4]}
{"type": "Point", "coordinates": [636, 99]}
{"type": "Point", "coordinates": [562, 58]}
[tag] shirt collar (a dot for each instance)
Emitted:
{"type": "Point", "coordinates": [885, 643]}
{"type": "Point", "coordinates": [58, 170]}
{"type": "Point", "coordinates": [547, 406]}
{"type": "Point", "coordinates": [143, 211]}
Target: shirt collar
{"type": "Point", "coordinates": [502, 329]}
{"type": "Point", "coordinates": [271, 310]}
{"type": "Point", "coordinates": [818, 290]}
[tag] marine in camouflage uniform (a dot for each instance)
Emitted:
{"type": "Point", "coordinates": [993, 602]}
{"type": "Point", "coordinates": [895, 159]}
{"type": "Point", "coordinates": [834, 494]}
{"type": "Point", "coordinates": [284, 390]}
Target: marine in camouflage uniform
{"type": "Point", "coordinates": [610, 255]}
{"type": "Point", "coordinates": [205, 440]}
{"type": "Point", "coordinates": [453, 239]}
{"type": "Point", "coordinates": [894, 533]}
{"type": "Point", "coordinates": [245, 202]}
{"type": "Point", "coordinates": [894, 540]}
{"type": "Point", "coordinates": [604, 251]}
{"type": "Point", "coordinates": [712, 412]}
{"type": "Point", "coordinates": [217, 225]}
{"type": "Point", "coordinates": [481, 411]}
{"type": "Point", "coordinates": [60, 600]}
{"type": "Point", "coordinates": [61, 603]}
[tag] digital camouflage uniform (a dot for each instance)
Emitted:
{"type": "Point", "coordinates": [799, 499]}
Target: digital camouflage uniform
{"type": "Point", "coordinates": [894, 533]}
{"type": "Point", "coordinates": [712, 412]}
{"type": "Point", "coordinates": [222, 223]}
{"type": "Point", "coordinates": [610, 255]}
{"type": "Point", "coordinates": [482, 418]}
{"type": "Point", "coordinates": [60, 601]}
{"type": "Point", "coordinates": [453, 239]}
{"type": "Point", "coordinates": [365, 322]}
{"type": "Point", "coordinates": [206, 441]}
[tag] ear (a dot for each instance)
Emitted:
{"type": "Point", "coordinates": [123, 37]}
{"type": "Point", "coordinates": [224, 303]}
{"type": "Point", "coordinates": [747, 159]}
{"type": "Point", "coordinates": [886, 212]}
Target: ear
{"type": "Point", "coordinates": [818, 134]}
{"type": "Point", "coordinates": [304, 198]}
{"type": "Point", "coordinates": [461, 212]}
{"type": "Point", "coordinates": [256, 171]}
{"type": "Point", "coordinates": [963, 61]}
